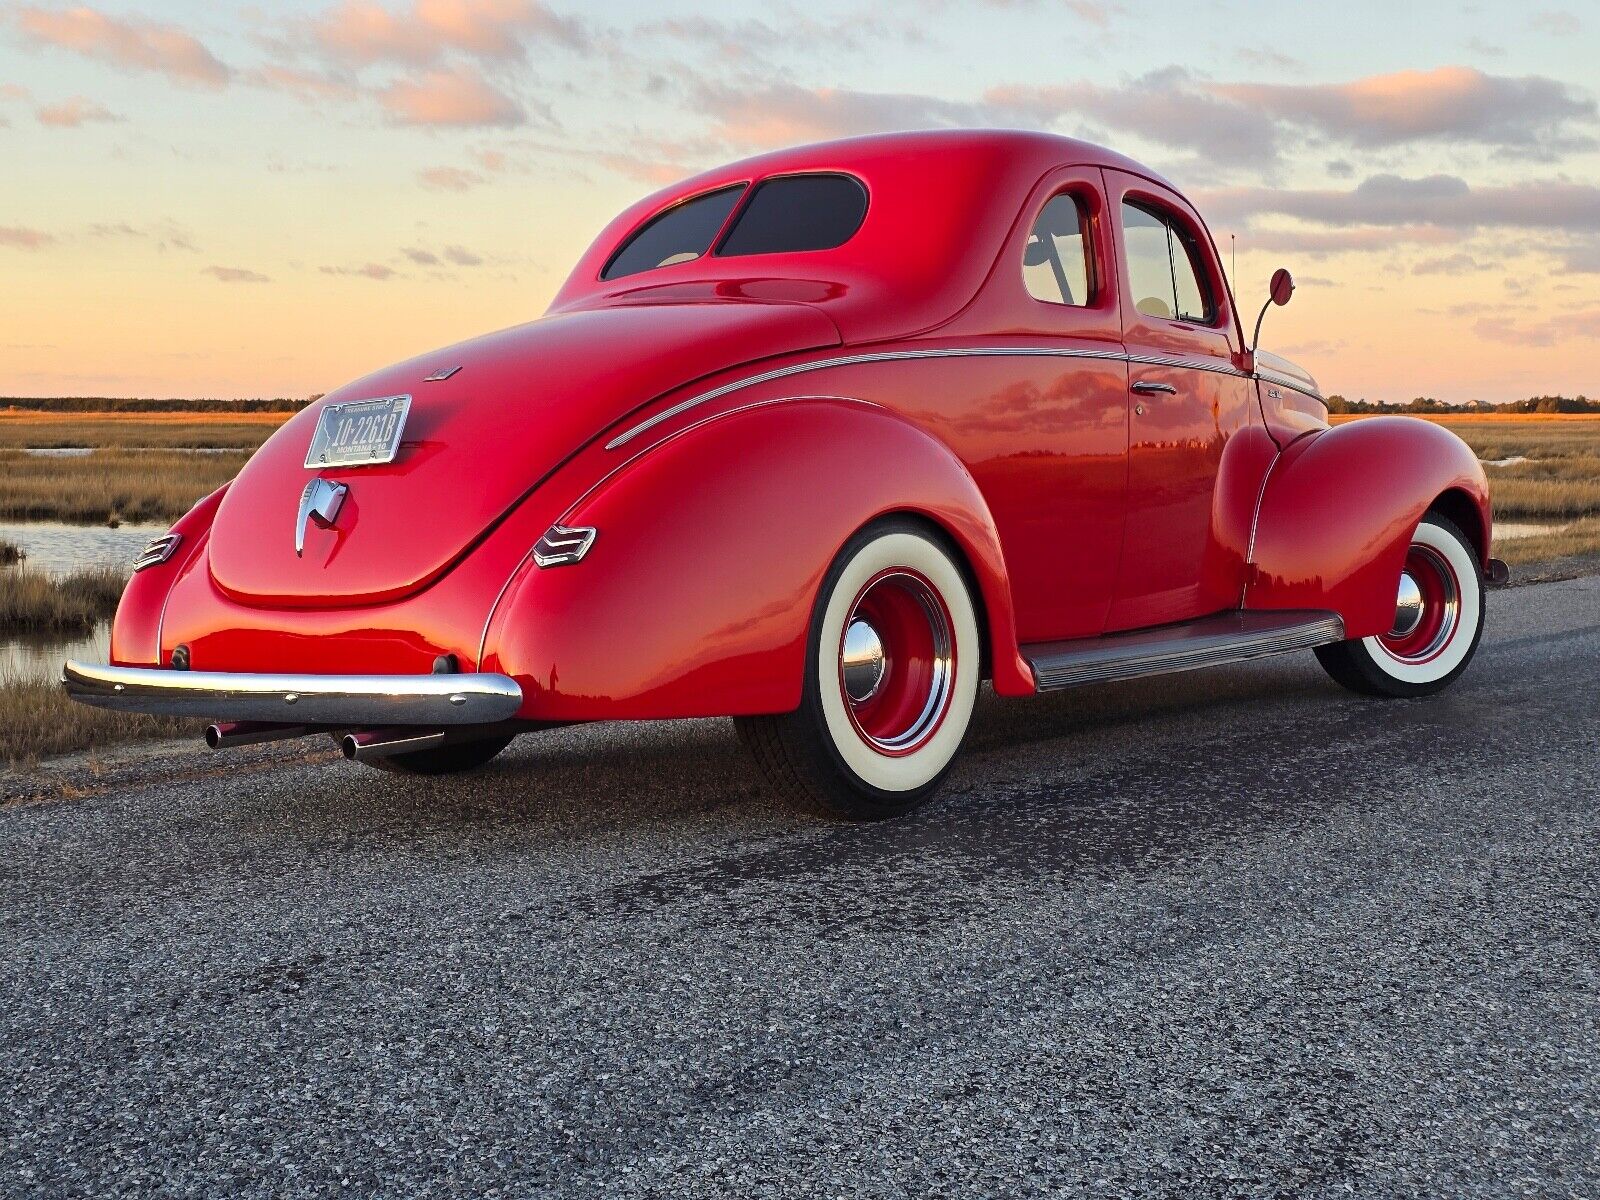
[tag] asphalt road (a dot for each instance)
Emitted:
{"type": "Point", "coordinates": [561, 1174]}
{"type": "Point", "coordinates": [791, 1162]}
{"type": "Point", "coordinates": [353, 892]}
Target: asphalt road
{"type": "Point", "coordinates": [1234, 933]}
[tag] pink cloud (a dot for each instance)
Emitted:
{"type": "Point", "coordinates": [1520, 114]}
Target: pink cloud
{"type": "Point", "coordinates": [1440, 200]}
{"type": "Point", "coordinates": [457, 96]}
{"type": "Point", "coordinates": [360, 33]}
{"type": "Point", "coordinates": [366, 271]}
{"type": "Point", "coordinates": [310, 86]}
{"type": "Point", "coordinates": [73, 112]}
{"type": "Point", "coordinates": [1566, 327]}
{"type": "Point", "coordinates": [23, 238]}
{"type": "Point", "coordinates": [236, 275]}
{"type": "Point", "coordinates": [130, 43]}
{"type": "Point", "coordinates": [448, 179]}
{"type": "Point", "coordinates": [1449, 103]}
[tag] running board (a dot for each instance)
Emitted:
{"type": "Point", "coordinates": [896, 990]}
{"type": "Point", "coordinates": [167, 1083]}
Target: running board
{"type": "Point", "coordinates": [1228, 637]}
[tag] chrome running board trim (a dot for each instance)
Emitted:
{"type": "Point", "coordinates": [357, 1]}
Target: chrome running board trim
{"type": "Point", "coordinates": [1209, 642]}
{"type": "Point", "coordinates": [470, 699]}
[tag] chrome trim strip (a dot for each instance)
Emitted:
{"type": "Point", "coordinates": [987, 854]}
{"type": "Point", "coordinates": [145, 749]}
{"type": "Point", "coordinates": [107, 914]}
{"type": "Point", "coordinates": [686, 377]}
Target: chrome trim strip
{"type": "Point", "coordinates": [851, 360]}
{"type": "Point", "coordinates": [473, 699]}
{"type": "Point", "coordinates": [1285, 381]}
{"type": "Point", "coordinates": [1255, 517]}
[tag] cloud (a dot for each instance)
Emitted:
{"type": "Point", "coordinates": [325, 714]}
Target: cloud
{"type": "Point", "coordinates": [784, 113]}
{"type": "Point", "coordinates": [164, 234]}
{"type": "Point", "coordinates": [359, 33]}
{"type": "Point", "coordinates": [461, 257]}
{"type": "Point", "coordinates": [458, 255]}
{"type": "Point", "coordinates": [1581, 259]}
{"type": "Point", "coordinates": [1458, 263]}
{"type": "Point", "coordinates": [235, 275]}
{"type": "Point", "coordinates": [1318, 243]}
{"type": "Point", "coordinates": [1549, 332]}
{"type": "Point", "coordinates": [448, 179]}
{"type": "Point", "coordinates": [13, 91]}
{"type": "Point", "coordinates": [310, 86]}
{"type": "Point", "coordinates": [1459, 104]}
{"type": "Point", "coordinates": [365, 271]}
{"type": "Point", "coordinates": [423, 258]}
{"type": "Point", "coordinates": [130, 43]}
{"type": "Point", "coordinates": [23, 238]}
{"type": "Point", "coordinates": [1168, 107]}
{"type": "Point", "coordinates": [457, 96]}
{"type": "Point", "coordinates": [73, 112]}
{"type": "Point", "coordinates": [1445, 201]}
{"type": "Point", "coordinates": [1556, 23]}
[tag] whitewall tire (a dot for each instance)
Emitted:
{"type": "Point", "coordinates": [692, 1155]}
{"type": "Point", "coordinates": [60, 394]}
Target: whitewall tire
{"type": "Point", "coordinates": [892, 668]}
{"type": "Point", "coordinates": [1438, 621]}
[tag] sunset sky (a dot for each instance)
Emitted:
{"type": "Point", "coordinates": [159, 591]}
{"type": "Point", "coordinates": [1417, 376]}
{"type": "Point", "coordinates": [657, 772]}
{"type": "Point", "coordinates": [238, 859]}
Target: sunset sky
{"type": "Point", "coordinates": [220, 199]}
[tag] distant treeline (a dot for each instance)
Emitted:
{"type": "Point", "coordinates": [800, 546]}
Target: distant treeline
{"type": "Point", "coordinates": [78, 404]}
{"type": "Point", "coordinates": [1427, 404]}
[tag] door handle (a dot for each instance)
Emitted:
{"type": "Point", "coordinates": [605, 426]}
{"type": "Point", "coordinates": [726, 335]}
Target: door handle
{"type": "Point", "coordinates": [1148, 387]}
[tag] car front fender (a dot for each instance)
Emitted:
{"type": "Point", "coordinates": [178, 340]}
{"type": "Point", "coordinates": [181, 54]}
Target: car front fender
{"type": "Point", "coordinates": [696, 596]}
{"type": "Point", "coordinates": [1339, 508]}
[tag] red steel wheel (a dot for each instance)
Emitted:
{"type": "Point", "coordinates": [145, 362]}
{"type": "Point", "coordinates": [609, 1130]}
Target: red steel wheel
{"type": "Point", "coordinates": [1438, 620]}
{"type": "Point", "coordinates": [892, 676]}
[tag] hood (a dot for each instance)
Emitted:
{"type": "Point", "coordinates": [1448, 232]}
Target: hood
{"type": "Point", "coordinates": [523, 401]}
{"type": "Point", "coordinates": [1288, 372]}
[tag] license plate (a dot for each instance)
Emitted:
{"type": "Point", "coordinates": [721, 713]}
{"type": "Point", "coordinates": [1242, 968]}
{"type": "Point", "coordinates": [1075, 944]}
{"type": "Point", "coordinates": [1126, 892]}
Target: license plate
{"type": "Point", "coordinates": [359, 433]}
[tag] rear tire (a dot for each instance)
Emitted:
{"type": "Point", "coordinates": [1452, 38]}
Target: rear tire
{"type": "Point", "coordinates": [1438, 621]}
{"type": "Point", "coordinates": [443, 760]}
{"type": "Point", "coordinates": [892, 665]}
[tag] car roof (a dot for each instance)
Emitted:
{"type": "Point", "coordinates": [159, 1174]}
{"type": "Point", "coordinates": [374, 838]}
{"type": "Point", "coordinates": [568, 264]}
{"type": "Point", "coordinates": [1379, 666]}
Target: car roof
{"type": "Point", "coordinates": [941, 203]}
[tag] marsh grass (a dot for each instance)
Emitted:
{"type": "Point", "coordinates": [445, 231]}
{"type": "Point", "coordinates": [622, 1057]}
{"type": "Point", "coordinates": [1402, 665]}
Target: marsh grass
{"type": "Point", "coordinates": [110, 485]}
{"type": "Point", "coordinates": [33, 602]}
{"type": "Point", "coordinates": [10, 553]}
{"type": "Point", "coordinates": [37, 720]}
{"type": "Point", "coordinates": [111, 431]}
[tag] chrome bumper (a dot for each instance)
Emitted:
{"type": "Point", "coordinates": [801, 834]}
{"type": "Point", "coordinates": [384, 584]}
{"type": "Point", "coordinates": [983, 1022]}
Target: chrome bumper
{"type": "Point", "coordinates": [352, 700]}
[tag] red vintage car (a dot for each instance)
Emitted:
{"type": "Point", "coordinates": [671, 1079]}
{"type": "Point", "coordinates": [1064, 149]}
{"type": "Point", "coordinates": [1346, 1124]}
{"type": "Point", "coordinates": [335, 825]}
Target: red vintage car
{"type": "Point", "coordinates": [819, 441]}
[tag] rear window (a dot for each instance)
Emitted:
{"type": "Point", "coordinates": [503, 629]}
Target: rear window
{"type": "Point", "coordinates": [796, 213]}
{"type": "Point", "coordinates": [681, 233]}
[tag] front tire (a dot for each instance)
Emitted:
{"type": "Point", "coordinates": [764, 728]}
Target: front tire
{"type": "Point", "coordinates": [1438, 621]}
{"type": "Point", "coordinates": [892, 665]}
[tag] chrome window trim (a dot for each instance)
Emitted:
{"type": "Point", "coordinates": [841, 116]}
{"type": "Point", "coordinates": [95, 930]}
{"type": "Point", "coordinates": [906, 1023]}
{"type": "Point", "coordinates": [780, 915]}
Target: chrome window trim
{"type": "Point", "coordinates": [1214, 366]}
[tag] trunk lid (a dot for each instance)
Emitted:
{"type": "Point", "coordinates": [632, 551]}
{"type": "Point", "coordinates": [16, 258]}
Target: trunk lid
{"type": "Point", "coordinates": [523, 400]}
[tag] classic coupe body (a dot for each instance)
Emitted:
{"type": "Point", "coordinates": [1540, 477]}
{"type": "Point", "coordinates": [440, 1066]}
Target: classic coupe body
{"type": "Point", "coordinates": [818, 440]}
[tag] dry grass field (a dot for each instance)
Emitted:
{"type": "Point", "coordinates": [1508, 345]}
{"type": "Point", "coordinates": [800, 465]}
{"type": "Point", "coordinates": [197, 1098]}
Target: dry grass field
{"type": "Point", "coordinates": [120, 430]}
{"type": "Point", "coordinates": [37, 721]}
{"type": "Point", "coordinates": [110, 485]}
{"type": "Point", "coordinates": [33, 602]}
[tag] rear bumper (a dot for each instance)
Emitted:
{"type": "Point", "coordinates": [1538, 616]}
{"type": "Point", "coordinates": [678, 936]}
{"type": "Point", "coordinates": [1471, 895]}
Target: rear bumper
{"type": "Point", "coordinates": [353, 700]}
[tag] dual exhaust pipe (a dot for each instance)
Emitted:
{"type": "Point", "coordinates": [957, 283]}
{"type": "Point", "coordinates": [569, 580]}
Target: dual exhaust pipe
{"type": "Point", "coordinates": [362, 745]}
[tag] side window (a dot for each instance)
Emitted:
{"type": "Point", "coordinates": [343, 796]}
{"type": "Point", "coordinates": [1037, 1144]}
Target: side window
{"type": "Point", "coordinates": [1055, 263]}
{"type": "Point", "coordinates": [1164, 273]}
{"type": "Point", "coordinates": [681, 233]}
{"type": "Point", "coordinates": [796, 213]}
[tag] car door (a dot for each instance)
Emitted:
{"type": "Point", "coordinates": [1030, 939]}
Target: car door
{"type": "Point", "coordinates": [1039, 410]}
{"type": "Point", "coordinates": [1189, 398]}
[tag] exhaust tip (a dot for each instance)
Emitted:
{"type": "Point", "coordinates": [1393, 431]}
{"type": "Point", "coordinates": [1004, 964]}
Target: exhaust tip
{"type": "Point", "coordinates": [348, 746]}
{"type": "Point", "coordinates": [214, 736]}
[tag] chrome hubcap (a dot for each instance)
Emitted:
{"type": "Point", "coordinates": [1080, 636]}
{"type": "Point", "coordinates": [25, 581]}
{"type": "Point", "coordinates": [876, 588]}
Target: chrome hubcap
{"type": "Point", "coordinates": [861, 661]}
{"type": "Point", "coordinates": [1408, 607]}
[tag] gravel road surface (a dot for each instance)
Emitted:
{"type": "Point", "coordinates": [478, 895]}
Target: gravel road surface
{"type": "Point", "coordinates": [1235, 933]}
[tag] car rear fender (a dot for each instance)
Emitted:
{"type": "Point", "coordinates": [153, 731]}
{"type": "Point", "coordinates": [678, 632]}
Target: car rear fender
{"type": "Point", "coordinates": [696, 596]}
{"type": "Point", "coordinates": [136, 629]}
{"type": "Point", "coordinates": [1339, 508]}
